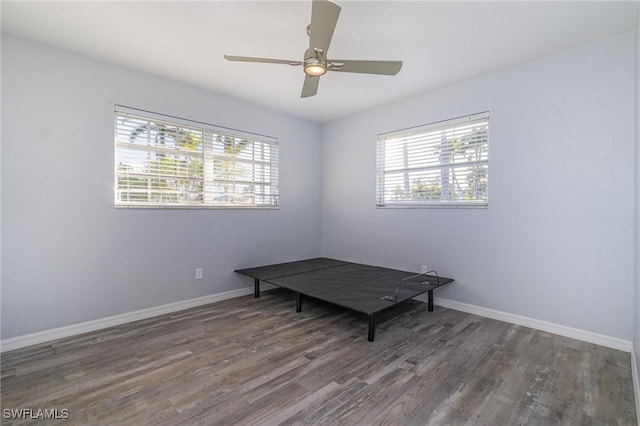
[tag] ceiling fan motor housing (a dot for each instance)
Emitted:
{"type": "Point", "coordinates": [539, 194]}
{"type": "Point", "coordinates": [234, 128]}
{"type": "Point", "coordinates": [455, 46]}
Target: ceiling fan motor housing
{"type": "Point", "coordinates": [314, 62]}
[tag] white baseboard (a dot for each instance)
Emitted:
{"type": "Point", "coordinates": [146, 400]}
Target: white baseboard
{"type": "Point", "coordinates": [85, 327]}
{"type": "Point", "coordinates": [562, 330]}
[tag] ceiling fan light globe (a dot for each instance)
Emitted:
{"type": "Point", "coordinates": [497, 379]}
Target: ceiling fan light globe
{"type": "Point", "coordinates": [315, 67]}
{"type": "Point", "coordinates": [315, 70]}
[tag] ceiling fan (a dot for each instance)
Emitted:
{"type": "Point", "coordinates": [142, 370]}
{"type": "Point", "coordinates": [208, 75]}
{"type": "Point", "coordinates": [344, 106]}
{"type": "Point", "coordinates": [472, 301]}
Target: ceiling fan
{"type": "Point", "coordinates": [324, 16]}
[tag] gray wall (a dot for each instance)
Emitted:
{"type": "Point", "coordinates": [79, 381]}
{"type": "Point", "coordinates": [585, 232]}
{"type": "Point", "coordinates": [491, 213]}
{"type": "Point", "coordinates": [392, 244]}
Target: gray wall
{"type": "Point", "coordinates": [68, 255]}
{"type": "Point", "coordinates": [636, 339]}
{"type": "Point", "coordinates": [556, 242]}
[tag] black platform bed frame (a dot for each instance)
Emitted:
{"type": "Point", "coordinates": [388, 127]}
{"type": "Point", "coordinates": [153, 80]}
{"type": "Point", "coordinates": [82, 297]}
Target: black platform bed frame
{"type": "Point", "coordinates": [363, 288]}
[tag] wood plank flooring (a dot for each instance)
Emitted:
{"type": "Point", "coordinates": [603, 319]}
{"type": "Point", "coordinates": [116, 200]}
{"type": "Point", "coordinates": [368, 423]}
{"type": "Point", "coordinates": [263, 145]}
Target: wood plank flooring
{"type": "Point", "coordinates": [253, 361]}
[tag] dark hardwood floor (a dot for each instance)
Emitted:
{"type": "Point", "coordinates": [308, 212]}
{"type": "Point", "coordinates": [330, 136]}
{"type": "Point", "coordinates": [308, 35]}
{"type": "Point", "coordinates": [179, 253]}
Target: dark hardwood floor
{"type": "Point", "coordinates": [253, 361]}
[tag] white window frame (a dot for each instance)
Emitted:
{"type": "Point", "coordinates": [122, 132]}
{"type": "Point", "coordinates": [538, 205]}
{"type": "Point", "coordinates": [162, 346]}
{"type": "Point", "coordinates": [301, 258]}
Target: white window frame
{"type": "Point", "coordinates": [419, 168]}
{"type": "Point", "coordinates": [228, 168]}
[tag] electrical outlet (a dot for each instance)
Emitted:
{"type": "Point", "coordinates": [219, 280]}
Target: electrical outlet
{"type": "Point", "coordinates": [424, 269]}
{"type": "Point", "coordinates": [199, 273]}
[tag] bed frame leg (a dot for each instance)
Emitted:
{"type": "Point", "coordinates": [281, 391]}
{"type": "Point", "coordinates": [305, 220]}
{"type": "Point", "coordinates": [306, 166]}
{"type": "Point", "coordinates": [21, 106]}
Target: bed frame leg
{"type": "Point", "coordinates": [430, 307]}
{"type": "Point", "coordinates": [372, 328]}
{"type": "Point", "coordinates": [298, 302]}
{"type": "Point", "coordinates": [256, 288]}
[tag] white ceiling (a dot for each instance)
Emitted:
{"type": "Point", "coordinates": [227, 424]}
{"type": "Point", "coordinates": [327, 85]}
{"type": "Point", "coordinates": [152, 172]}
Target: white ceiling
{"type": "Point", "coordinates": [440, 43]}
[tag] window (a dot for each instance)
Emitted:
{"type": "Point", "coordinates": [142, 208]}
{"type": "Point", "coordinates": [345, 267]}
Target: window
{"type": "Point", "coordinates": [443, 164]}
{"type": "Point", "coordinates": [164, 161]}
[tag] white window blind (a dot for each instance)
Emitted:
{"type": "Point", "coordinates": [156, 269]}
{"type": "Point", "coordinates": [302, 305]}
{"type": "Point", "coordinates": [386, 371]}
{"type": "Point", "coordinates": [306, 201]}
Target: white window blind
{"type": "Point", "coordinates": [163, 161]}
{"type": "Point", "coordinates": [443, 164]}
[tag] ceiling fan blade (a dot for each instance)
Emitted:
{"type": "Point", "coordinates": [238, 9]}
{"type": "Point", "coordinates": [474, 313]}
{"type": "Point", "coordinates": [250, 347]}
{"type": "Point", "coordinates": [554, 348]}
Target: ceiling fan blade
{"type": "Point", "coordinates": [365, 67]}
{"type": "Point", "coordinates": [310, 87]}
{"type": "Point", "coordinates": [262, 60]}
{"type": "Point", "coordinates": [324, 16]}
